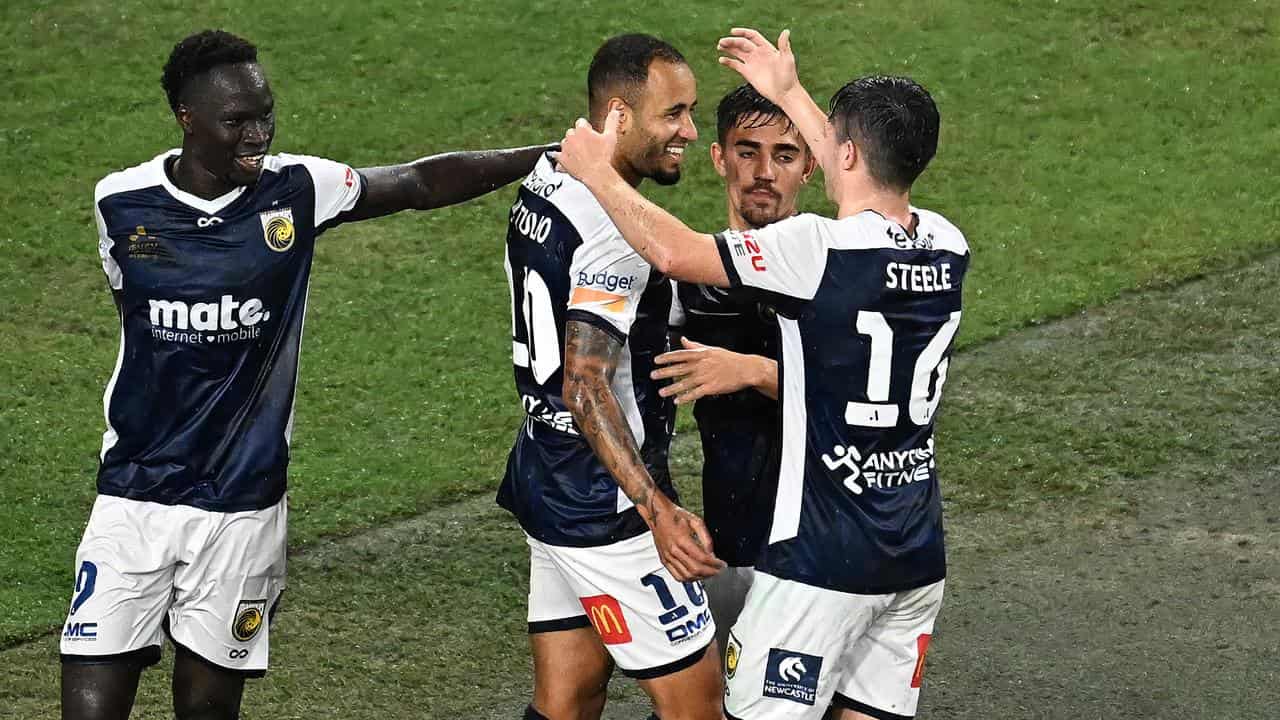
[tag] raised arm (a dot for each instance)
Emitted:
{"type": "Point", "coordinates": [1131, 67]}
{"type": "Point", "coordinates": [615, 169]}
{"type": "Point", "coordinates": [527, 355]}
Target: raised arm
{"type": "Point", "coordinates": [440, 180]}
{"type": "Point", "coordinates": [772, 72]}
{"type": "Point", "coordinates": [591, 358]}
{"type": "Point", "coordinates": [658, 236]}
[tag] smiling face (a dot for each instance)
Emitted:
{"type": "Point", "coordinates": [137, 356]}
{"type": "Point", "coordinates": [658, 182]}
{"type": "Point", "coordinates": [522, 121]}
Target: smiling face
{"type": "Point", "coordinates": [763, 164]}
{"type": "Point", "coordinates": [653, 142]}
{"type": "Point", "coordinates": [228, 117]}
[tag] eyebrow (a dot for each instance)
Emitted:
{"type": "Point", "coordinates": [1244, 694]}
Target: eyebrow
{"type": "Point", "coordinates": [682, 106]}
{"type": "Point", "coordinates": [753, 145]}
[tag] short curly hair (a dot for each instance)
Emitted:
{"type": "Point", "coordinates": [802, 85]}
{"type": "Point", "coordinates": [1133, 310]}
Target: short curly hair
{"type": "Point", "coordinates": [197, 54]}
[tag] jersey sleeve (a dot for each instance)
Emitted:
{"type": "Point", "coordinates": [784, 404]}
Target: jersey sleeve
{"type": "Point", "coordinates": [787, 257]}
{"type": "Point", "coordinates": [338, 188]}
{"type": "Point", "coordinates": [606, 280]}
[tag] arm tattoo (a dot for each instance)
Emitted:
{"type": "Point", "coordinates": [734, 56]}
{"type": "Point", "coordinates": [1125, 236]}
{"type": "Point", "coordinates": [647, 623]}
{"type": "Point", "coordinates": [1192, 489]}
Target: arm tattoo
{"type": "Point", "coordinates": [591, 358]}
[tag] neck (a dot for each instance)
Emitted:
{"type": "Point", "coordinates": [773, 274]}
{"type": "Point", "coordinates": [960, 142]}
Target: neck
{"type": "Point", "coordinates": [863, 195]}
{"type": "Point", "coordinates": [192, 177]}
{"type": "Point", "coordinates": [626, 171]}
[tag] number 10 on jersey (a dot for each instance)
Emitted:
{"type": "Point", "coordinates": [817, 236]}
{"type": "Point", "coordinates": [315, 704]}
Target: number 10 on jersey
{"type": "Point", "coordinates": [535, 341]}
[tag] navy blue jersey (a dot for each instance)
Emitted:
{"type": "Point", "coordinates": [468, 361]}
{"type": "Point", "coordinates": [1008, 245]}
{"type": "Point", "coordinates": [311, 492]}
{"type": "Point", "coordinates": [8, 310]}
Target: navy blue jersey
{"type": "Point", "coordinates": [211, 296]}
{"type": "Point", "coordinates": [566, 261]}
{"type": "Point", "coordinates": [739, 430]}
{"type": "Point", "coordinates": [866, 342]}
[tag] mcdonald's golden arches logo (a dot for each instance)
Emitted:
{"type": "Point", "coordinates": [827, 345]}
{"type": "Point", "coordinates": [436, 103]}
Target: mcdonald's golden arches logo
{"type": "Point", "coordinates": [606, 617]}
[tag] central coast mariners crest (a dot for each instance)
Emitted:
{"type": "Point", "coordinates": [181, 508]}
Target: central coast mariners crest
{"type": "Point", "coordinates": [732, 653]}
{"type": "Point", "coordinates": [277, 228]}
{"type": "Point", "coordinates": [250, 614]}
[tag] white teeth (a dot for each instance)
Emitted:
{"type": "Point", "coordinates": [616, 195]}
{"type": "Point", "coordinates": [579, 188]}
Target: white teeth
{"type": "Point", "coordinates": [675, 150]}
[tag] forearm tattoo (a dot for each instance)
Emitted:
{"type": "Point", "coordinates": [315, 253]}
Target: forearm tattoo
{"type": "Point", "coordinates": [591, 358]}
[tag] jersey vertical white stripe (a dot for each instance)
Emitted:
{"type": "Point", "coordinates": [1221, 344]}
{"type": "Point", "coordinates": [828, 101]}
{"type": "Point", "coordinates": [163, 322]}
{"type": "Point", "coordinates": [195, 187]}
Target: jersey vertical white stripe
{"type": "Point", "coordinates": [624, 389]}
{"type": "Point", "coordinates": [786, 508]}
{"type": "Point", "coordinates": [110, 436]}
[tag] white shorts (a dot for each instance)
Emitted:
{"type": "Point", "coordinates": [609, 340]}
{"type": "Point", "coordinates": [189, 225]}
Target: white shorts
{"type": "Point", "coordinates": [214, 577]}
{"type": "Point", "coordinates": [797, 649]}
{"type": "Point", "coordinates": [651, 624]}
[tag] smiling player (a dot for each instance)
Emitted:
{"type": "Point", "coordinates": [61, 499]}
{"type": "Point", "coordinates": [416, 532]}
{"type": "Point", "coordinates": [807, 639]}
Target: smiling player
{"type": "Point", "coordinates": [208, 250]}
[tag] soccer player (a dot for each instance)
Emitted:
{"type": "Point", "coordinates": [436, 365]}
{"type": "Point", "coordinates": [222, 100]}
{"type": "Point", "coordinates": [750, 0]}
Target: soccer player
{"type": "Point", "coordinates": [614, 561]}
{"type": "Point", "coordinates": [208, 250]}
{"type": "Point", "coordinates": [729, 364]}
{"type": "Point", "coordinates": [850, 582]}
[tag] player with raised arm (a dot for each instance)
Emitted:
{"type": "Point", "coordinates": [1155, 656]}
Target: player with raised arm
{"type": "Point", "coordinates": [614, 561]}
{"type": "Point", "coordinates": [728, 366]}
{"type": "Point", "coordinates": [208, 250]}
{"type": "Point", "coordinates": [851, 580]}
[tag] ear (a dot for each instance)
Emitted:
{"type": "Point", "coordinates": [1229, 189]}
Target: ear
{"type": "Point", "coordinates": [717, 159]}
{"type": "Point", "coordinates": [624, 113]}
{"type": "Point", "coordinates": [810, 164]}
{"type": "Point", "coordinates": [183, 115]}
{"type": "Point", "coordinates": [847, 155]}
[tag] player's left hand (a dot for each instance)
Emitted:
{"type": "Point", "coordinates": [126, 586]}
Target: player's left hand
{"type": "Point", "coordinates": [702, 370]}
{"type": "Point", "coordinates": [585, 152]}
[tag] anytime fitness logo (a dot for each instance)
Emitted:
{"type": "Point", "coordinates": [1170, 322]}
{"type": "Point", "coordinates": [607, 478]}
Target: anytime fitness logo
{"type": "Point", "coordinates": [888, 469]}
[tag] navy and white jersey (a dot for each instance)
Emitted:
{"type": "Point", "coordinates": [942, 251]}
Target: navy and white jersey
{"type": "Point", "coordinates": [739, 430]}
{"type": "Point", "coordinates": [566, 261]}
{"type": "Point", "coordinates": [211, 296]}
{"type": "Point", "coordinates": [866, 341]}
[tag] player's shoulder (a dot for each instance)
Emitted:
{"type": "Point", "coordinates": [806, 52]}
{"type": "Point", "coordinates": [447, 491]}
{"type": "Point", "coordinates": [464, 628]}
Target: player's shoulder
{"type": "Point", "coordinates": [573, 200]}
{"type": "Point", "coordinates": [313, 164]}
{"type": "Point", "coordinates": [869, 230]}
{"type": "Point", "coordinates": [141, 176]}
{"type": "Point", "coordinates": [946, 236]}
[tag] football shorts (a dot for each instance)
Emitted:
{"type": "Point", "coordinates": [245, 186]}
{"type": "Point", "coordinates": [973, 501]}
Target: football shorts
{"type": "Point", "coordinates": [210, 579]}
{"type": "Point", "coordinates": [651, 624]}
{"type": "Point", "coordinates": [797, 649]}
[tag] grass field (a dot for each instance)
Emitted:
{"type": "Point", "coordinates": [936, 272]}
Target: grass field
{"type": "Point", "coordinates": [1090, 149]}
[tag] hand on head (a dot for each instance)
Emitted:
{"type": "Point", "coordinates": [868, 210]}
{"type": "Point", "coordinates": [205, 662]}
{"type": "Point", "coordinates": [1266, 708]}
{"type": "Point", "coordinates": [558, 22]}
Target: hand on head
{"type": "Point", "coordinates": [585, 151]}
{"type": "Point", "coordinates": [771, 71]}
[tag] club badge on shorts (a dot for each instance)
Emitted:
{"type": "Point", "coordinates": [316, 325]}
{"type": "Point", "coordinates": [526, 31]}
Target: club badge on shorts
{"type": "Point", "coordinates": [277, 228]}
{"type": "Point", "coordinates": [732, 652]}
{"type": "Point", "coordinates": [250, 614]}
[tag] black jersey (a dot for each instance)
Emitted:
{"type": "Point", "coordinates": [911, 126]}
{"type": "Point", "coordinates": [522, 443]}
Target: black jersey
{"type": "Point", "coordinates": [866, 341]}
{"type": "Point", "coordinates": [739, 430]}
{"type": "Point", "coordinates": [211, 296]}
{"type": "Point", "coordinates": [565, 260]}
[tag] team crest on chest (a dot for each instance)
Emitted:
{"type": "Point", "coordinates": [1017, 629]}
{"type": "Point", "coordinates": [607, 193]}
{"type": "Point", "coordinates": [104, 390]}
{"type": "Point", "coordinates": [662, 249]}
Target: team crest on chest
{"type": "Point", "coordinates": [277, 228]}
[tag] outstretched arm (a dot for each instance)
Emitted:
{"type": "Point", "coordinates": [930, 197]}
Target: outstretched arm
{"type": "Point", "coordinates": [440, 180]}
{"type": "Point", "coordinates": [591, 358]}
{"type": "Point", "coordinates": [772, 72]}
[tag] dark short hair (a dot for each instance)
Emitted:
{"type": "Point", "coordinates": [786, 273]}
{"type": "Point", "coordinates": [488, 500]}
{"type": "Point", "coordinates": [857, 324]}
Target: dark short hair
{"type": "Point", "coordinates": [894, 122]}
{"type": "Point", "coordinates": [744, 107]}
{"type": "Point", "coordinates": [197, 54]}
{"type": "Point", "coordinates": [620, 67]}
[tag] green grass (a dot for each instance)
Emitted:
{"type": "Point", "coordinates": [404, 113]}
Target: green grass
{"type": "Point", "coordinates": [1089, 148]}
